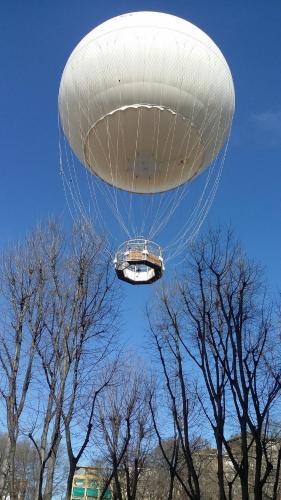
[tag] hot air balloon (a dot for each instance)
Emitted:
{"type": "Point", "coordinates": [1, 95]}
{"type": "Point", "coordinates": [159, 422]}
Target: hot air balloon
{"type": "Point", "coordinates": [146, 102]}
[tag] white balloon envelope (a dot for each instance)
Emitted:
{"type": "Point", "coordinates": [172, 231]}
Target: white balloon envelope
{"type": "Point", "coordinates": [146, 102]}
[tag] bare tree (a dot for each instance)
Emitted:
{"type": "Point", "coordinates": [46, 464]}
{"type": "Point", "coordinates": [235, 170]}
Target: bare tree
{"type": "Point", "coordinates": [168, 464]}
{"type": "Point", "coordinates": [126, 430]}
{"type": "Point", "coordinates": [79, 329]}
{"type": "Point", "coordinates": [60, 304]}
{"type": "Point", "coordinates": [136, 456]}
{"type": "Point", "coordinates": [182, 407]}
{"type": "Point", "coordinates": [85, 421]}
{"type": "Point", "coordinates": [26, 465]}
{"type": "Point", "coordinates": [166, 461]}
{"type": "Point", "coordinates": [222, 319]}
{"type": "Point", "coordinates": [22, 287]}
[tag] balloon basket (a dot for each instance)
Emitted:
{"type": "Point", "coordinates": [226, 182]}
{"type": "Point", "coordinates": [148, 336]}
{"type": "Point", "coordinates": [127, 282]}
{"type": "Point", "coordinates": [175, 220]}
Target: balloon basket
{"type": "Point", "coordinates": [139, 262]}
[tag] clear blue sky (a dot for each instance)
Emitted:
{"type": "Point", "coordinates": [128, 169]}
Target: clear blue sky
{"type": "Point", "coordinates": [36, 38]}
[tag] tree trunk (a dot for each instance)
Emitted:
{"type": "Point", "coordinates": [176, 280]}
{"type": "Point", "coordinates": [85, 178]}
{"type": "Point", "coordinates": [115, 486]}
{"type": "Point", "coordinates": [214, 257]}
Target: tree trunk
{"type": "Point", "coordinates": [72, 466]}
{"type": "Point", "coordinates": [52, 462]}
{"type": "Point", "coordinates": [4, 472]}
{"type": "Point", "coordinates": [258, 471]}
{"type": "Point", "coordinates": [220, 473]}
{"type": "Point", "coordinates": [12, 475]}
{"type": "Point", "coordinates": [244, 476]}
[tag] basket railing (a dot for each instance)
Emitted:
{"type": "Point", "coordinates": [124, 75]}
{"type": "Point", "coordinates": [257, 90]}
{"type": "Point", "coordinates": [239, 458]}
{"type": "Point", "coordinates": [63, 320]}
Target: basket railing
{"type": "Point", "coordinates": [138, 245]}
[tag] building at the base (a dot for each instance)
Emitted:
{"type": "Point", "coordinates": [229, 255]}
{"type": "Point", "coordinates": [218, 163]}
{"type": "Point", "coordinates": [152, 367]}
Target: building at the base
{"type": "Point", "coordinates": [87, 483]}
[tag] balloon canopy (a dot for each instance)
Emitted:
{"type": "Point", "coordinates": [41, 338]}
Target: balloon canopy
{"type": "Point", "coordinates": [146, 101]}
